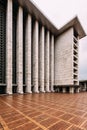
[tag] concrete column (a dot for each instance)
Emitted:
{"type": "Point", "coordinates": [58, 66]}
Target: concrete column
{"type": "Point", "coordinates": [85, 86]}
{"type": "Point", "coordinates": [64, 90]}
{"type": "Point", "coordinates": [52, 63]}
{"type": "Point", "coordinates": [71, 90]}
{"type": "Point", "coordinates": [35, 56]}
{"type": "Point", "coordinates": [77, 90]}
{"type": "Point", "coordinates": [47, 60]}
{"type": "Point", "coordinates": [20, 50]}
{"type": "Point", "coordinates": [28, 54]}
{"type": "Point", "coordinates": [9, 47]}
{"type": "Point", "coordinates": [58, 90]}
{"type": "Point", "coordinates": [42, 59]}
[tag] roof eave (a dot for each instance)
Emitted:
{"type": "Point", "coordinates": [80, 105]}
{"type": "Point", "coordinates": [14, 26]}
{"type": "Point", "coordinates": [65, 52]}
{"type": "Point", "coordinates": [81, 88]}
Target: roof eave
{"type": "Point", "coordinates": [75, 23]}
{"type": "Point", "coordinates": [39, 16]}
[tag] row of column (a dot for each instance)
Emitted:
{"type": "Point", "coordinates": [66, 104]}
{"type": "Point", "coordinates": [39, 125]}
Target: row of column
{"type": "Point", "coordinates": [71, 90]}
{"type": "Point", "coordinates": [45, 63]}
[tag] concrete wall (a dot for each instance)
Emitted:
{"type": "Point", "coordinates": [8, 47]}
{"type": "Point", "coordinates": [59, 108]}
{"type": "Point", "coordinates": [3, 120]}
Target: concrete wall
{"type": "Point", "coordinates": [64, 58]}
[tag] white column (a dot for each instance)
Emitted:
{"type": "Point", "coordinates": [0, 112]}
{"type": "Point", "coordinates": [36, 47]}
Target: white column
{"type": "Point", "coordinates": [28, 54]}
{"type": "Point", "coordinates": [20, 50]}
{"type": "Point", "coordinates": [35, 56]}
{"type": "Point", "coordinates": [9, 47]}
{"type": "Point", "coordinates": [42, 31]}
{"type": "Point", "coordinates": [64, 90]}
{"type": "Point", "coordinates": [71, 90]}
{"type": "Point", "coordinates": [47, 60]}
{"type": "Point", "coordinates": [85, 86]}
{"type": "Point", "coordinates": [52, 63]}
{"type": "Point", "coordinates": [77, 90]}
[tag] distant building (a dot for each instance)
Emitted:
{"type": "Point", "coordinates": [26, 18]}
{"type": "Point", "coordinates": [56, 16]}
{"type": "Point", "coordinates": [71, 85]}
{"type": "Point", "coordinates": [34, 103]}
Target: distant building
{"type": "Point", "coordinates": [83, 85]}
{"type": "Point", "coordinates": [35, 56]}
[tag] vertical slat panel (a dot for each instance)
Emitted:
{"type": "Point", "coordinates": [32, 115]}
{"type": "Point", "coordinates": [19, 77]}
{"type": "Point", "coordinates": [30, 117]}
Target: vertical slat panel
{"type": "Point", "coordinates": [2, 43]}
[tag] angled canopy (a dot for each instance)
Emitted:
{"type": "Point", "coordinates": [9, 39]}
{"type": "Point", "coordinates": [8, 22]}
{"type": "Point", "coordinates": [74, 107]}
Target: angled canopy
{"type": "Point", "coordinates": [76, 25]}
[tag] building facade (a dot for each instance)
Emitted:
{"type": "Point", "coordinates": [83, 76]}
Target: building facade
{"type": "Point", "coordinates": [35, 56]}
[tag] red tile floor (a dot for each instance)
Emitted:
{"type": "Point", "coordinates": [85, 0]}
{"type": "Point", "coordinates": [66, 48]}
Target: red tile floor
{"type": "Point", "coordinates": [49, 111]}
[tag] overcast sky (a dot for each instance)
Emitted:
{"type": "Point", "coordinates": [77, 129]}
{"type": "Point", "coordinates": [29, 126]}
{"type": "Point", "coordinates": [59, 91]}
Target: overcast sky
{"type": "Point", "coordinates": [60, 12]}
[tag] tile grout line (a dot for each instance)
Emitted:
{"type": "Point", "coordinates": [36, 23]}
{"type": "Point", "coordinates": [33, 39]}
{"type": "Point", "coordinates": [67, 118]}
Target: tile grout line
{"type": "Point", "coordinates": [59, 110]}
{"type": "Point", "coordinates": [54, 116]}
{"type": "Point", "coordinates": [25, 115]}
{"type": "Point", "coordinates": [21, 125]}
{"type": "Point", "coordinates": [4, 125]}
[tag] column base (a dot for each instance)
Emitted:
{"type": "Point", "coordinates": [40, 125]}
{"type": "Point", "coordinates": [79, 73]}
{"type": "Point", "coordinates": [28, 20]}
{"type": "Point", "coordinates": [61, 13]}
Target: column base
{"type": "Point", "coordinates": [29, 92]}
{"type": "Point", "coordinates": [42, 91]}
{"type": "Point", "coordinates": [20, 92]}
{"type": "Point", "coordinates": [52, 91]}
{"type": "Point", "coordinates": [48, 91]}
{"type": "Point", "coordinates": [10, 93]}
{"type": "Point", "coordinates": [36, 91]}
{"type": "Point", "coordinates": [9, 90]}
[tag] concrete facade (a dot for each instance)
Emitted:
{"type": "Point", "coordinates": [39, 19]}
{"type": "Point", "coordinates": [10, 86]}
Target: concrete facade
{"type": "Point", "coordinates": [43, 56]}
{"type": "Point", "coordinates": [63, 52]}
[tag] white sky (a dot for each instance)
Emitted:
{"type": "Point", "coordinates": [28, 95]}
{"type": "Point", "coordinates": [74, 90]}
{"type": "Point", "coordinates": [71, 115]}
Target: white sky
{"type": "Point", "coordinates": [60, 12]}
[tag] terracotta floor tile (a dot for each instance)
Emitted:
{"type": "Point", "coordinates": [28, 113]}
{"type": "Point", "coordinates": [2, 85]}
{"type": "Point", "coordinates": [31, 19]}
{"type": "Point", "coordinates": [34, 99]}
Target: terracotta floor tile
{"type": "Point", "coordinates": [58, 113]}
{"type": "Point", "coordinates": [60, 126]}
{"type": "Point", "coordinates": [48, 122]}
{"type": "Point", "coordinates": [9, 114]}
{"type": "Point", "coordinates": [1, 126]}
{"type": "Point", "coordinates": [28, 112]}
{"type": "Point", "coordinates": [34, 114]}
{"type": "Point", "coordinates": [17, 123]}
{"type": "Point", "coordinates": [50, 111]}
{"type": "Point", "coordinates": [77, 121]}
{"type": "Point", "coordinates": [13, 118]}
{"type": "Point", "coordinates": [66, 117]}
{"type": "Point", "coordinates": [85, 115]}
{"type": "Point", "coordinates": [85, 125]}
{"type": "Point", "coordinates": [44, 110]}
{"type": "Point", "coordinates": [39, 129]}
{"type": "Point", "coordinates": [28, 126]}
{"type": "Point", "coordinates": [74, 128]}
{"type": "Point", "coordinates": [41, 117]}
{"type": "Point", "coordinates": [79, 113]}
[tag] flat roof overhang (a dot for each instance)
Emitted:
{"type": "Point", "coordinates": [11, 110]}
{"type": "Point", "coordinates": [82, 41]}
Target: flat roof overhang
{"type": "Point", "coordinates": [39, 16]}
{"type": "Point", "coordinates": [33, 10]}
{"type": "Point", "coordinates": [82, 81]}
{"type": "Point", "coordinates": [75, 23]}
